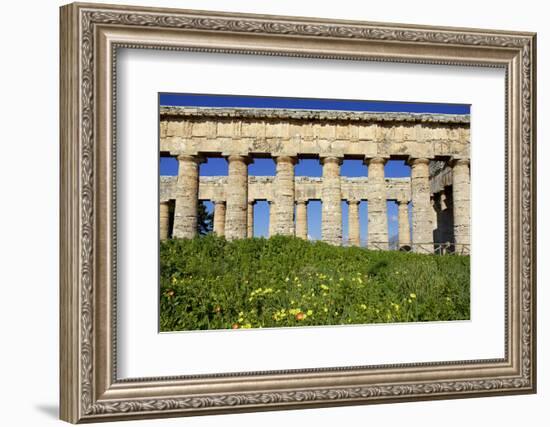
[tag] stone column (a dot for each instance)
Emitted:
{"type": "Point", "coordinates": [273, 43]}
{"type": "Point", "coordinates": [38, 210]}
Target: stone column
{"type": "Point", "coordinates": [237, 198]}
{"type": "Point", "coordinates": [219, 217]}
{"type": "Point", "coordinates": [434, 202]}
{"type": "Point", "coordinates": [422, 228]}
{"type": "Point", "coordinates": [461, 205]}
{"type": "Point", "coordinates": [301, 219]}
{"type": "Point", "coordinates": [354, 236]}
{"type": "Point", "coordinates": [404, 234]}
{"type": "Point", "coordinates": [284, 195]}
{"type": "Point", "coordinates": [250, 220]}
{"type": "Point", "coordinates": [331, 217]}
{"type": "Point", "coordinates": [164, 220]}
{"type": "Point", "coordinates": [271, 218]}
{"type": "Point", "coordinates": [378, 210]}
{"type": "Point", "coordinates": [187, 197]}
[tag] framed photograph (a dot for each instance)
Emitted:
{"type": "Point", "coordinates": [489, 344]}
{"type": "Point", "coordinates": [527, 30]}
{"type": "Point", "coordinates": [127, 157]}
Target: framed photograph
{"type": "Point", "coordinates": [267, 212]}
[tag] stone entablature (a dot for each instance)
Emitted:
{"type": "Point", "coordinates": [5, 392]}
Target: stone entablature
{"type": "Point", "coordinates": [306, 133]}
{"type": "Point", "coordinates": [213, 188]}
{"type": "Point", "coordinates": [324, 115]}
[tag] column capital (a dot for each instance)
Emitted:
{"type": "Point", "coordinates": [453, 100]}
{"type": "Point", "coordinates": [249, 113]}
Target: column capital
{"type": "Point", "coordinates": [413, 161]}
{"type": "Point", "coordinates": [239, 158]}
{"type": "Point", "coordinates": [331, 159]}
{"type": "Point", "coordinates": [286, 159]}
{"type": "Point", "coordinates": [402, 202]}
{"type": "Point", "coordinates": [190, 158]}
{"type": "Point", "coordinates": [302, 202]}
{"type": "Point", "coordinates": [459, 161]}
{"type": "Point", "coordinates": [378, 160]}
{"type": "Point", "coordinates": [353, 201]}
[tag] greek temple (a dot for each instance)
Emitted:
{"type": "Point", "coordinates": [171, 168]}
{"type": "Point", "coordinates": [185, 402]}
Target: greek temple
{"type": "Point", "coordinates": [435, 146]}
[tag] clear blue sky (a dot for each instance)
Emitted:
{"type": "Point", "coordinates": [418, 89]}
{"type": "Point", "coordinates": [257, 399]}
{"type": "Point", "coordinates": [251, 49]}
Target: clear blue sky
{"type": "Point", "coordinates": [305, 167]}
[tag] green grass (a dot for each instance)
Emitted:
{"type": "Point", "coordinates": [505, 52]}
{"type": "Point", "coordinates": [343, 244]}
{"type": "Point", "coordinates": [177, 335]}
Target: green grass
{"type": "Point", "coordinates": [210, 283]}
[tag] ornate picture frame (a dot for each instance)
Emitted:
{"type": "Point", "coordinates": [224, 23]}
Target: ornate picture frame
{"type": "Point", "coordinates": [90, 37]}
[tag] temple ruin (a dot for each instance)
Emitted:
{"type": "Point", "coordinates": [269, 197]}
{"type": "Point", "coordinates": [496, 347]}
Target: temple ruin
{"type": "Point", "coordinates": [436, 146]}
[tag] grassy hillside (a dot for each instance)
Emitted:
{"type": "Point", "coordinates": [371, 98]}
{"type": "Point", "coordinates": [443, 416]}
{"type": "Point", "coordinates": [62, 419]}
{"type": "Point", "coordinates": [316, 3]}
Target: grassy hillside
{"type": "Point", "coordinates": [210, 283]}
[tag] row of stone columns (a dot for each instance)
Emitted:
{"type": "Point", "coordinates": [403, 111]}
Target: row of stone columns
{"type": "Point", "coordinates": [301, 227]}
{"type": "Point", "coordinates": [234, 217]}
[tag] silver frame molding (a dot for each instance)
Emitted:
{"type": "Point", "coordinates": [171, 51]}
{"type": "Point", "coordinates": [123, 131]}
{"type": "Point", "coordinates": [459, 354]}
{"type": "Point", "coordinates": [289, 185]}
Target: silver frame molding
{"type": "Point", "coordinates": [90, 36]}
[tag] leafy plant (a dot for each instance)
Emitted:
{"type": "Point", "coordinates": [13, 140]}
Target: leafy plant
{"type": "Point", "coordinates": [205, 220]}
{"type": "Point", "coordinates": [211, 283]}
